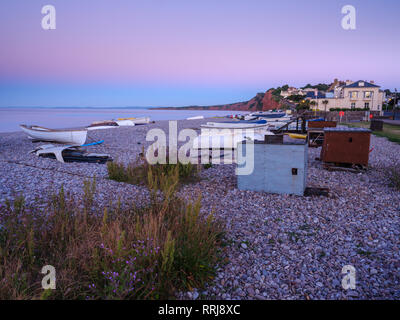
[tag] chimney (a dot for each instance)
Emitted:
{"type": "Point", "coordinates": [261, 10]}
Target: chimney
{"type": "Point", "coordinates": [348, 82]}
{"type": "Point", "coordinates": [372, 81]}
{"type": "Point", "coordinates": [316, 93]}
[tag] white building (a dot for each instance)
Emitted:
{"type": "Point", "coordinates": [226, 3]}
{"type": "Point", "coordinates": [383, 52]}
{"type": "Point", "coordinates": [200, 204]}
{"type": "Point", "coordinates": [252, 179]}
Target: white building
{"type": "Point", "coordinates": [292, 92]}
{"type": "Point", "coordinates": [354, 95]}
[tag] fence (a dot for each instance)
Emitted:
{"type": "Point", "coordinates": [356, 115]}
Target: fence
{"type": "Point", "coordinates": [395, 115]}
{"type": "Point", "coordinates": [349, 116]}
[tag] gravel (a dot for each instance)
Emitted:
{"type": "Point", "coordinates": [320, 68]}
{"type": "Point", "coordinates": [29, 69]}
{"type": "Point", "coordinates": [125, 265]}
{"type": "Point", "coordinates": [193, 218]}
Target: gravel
{"type": "Point", "coordinates": [279, 246]}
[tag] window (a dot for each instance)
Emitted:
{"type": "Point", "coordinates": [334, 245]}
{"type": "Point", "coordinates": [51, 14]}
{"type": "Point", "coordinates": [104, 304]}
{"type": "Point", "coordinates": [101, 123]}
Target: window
{"type": "Point", "coordinates": [353, 94]}
{"type": "Point", "coordinates": [368, 94]}
{"type": "Point", "coordinates": [353, 105]}
{"type": "Point", "coordinates": [366, 105]}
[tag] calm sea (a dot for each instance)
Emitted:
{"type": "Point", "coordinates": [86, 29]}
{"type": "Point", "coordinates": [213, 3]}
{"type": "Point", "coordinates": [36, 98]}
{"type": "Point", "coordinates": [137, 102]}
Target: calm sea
{"type": "Point", "coordinates": [11, 118]}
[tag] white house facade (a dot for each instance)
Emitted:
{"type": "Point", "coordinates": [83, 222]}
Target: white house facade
{"type": "Point", "coordinates": [354, 95]}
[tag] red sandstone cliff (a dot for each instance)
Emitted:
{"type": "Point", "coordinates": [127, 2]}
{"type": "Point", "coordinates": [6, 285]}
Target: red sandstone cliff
{"type": "Point", "coordinates": [261, 102]}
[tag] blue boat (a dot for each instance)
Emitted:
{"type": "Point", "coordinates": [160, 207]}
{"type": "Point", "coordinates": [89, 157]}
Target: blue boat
{"type": "Point", "coordinates": [272, 115]}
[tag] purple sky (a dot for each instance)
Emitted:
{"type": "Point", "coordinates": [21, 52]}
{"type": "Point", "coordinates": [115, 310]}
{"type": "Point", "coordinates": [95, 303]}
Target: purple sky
{"type": "Point", "coordinates": [181, 52]}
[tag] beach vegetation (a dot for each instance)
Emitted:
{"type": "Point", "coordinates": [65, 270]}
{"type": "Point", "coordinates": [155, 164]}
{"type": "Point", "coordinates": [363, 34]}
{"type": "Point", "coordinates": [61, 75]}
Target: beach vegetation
{"type": "Point", "coordinates": [207, 166]}
{"type": "Point", "coordinates": [140, 172]}
{"type": "Point", "coordinates": [151, 251]}
{"type": "Point", "coordinates": [393, 175]}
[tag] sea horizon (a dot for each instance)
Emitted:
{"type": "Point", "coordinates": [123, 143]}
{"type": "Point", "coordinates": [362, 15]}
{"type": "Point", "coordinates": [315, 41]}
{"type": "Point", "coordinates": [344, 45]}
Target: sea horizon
{"type": "Point", "coordinates": [69, 117]}
{"type": "Point", "coordinates": [86, 107]}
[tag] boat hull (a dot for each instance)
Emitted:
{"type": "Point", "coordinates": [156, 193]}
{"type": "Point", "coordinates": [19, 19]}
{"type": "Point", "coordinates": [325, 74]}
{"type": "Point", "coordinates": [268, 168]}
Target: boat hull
{"type": "Point", "coordinates": [143, 120]}
{"type": "Point", "coordinates": [226, 139]}
{"type": "Point", "coordinates": [101, 127]}
{"type": "Point", "coordinates": [125, 123]}
{"type": "Point", "coordinates": [195, 118]}
{"type": "Point", "coordinates": [104, 124]}
{"type": "Point", "coordinates": [61, 136]}
{"type": "Point", "coordinates": [222, 125]}
{"type": "Point", "coordinates": [271, 116]}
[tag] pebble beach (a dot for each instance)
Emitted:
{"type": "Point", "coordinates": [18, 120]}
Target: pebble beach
{"type": "Point", "coordinates": [278, 246]}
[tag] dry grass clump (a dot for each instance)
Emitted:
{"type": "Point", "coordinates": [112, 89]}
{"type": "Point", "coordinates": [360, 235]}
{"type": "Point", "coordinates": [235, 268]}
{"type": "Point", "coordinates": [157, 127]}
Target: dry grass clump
{"type": "Point", "coordinates": [100, 253]}
{"type": "Point", "coordinates": [393, 175]}
{"type": "Point", "coordinates": [140, 171]}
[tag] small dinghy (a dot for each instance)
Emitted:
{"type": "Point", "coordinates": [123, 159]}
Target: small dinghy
{"type": "Point", "coordinates": [297, 136]}
{"type": "Point", "coordinates": [71, 153]}
{"type": "Point", "coordinates": [271, 116]}
{"type": "Point", "coordinates": [105, 124]}
{"type": "Point", "coordinates": [250, 117]}
{"type": "Point", "coordinates": [125, 123]}
{"type": "Point", "coordinates": [143, 120]}
{"type": "Point", "coordinates": [239, 124]}
{"type": "Point", "coordinates": [195, 118]}
{"type": "Point", "coordinates": [71, 136]}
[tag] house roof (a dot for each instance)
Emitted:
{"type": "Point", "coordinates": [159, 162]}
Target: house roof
{"type": "Point", "coordinates": [357, 85]}
{"type": "Point", "coordinates": [311, 95]}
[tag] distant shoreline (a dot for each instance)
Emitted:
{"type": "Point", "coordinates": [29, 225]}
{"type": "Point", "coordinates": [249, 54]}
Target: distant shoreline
{"type": "Point", "coordinates": [60, 118]}
{"type": "Point", "coordinates": [222, 107]}
{"type": "Point", "coordinates": [62, 107]}
{"type": "Point", "coordinates": [194, 108]}
{"type": "Point", "coordinates": [204, 108]}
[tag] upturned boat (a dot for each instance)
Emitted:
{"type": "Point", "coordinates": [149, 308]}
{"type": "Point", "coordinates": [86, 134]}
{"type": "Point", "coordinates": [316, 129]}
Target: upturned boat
{"type": "Point", "coordinates": [71, 153]}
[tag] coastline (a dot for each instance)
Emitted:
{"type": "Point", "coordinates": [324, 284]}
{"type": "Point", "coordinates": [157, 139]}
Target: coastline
{"type": "Point", "coordinates": [268, 233]}
{"type": "Point", "coordinates": [58, 118]}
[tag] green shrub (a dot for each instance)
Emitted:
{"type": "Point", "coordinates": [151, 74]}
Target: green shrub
{"type": "Point", "coordinates": [296, 97]}
{"type": "Point", "coordinates": [207, 166]}
{"type": "Point", "coordinates": [117, 171]}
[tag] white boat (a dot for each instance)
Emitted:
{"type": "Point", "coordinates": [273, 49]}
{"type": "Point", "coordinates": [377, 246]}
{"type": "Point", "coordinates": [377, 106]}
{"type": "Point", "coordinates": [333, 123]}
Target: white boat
{"type": "Point", "coordinates": [227, 138]}
{"type": "Point", "coordinates": [103, 124]}
{"type": "Point", "coordinates": [270, 116]}
{"type": "Point", "coordinates": [249, 117]}
{"type": "Point", "coordinates": [195, 118]}
{"type": "Point", "coordinates": [240, 124]}
{"type": "Point", "coordinates": [100, 127]}
{"type": "Point", "coordinates": [72, 136]}
{"type": "Point", "coordinates": [143, 120]}
{"type": "Point", "coordinates": [125, 123]}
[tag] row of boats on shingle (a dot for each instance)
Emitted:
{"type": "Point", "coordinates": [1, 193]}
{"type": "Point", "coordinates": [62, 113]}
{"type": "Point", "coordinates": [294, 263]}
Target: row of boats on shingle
{"type": "Point", "coordinates": [71, 142]}
{"type": "Point", "coordinates": [212, 135]}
